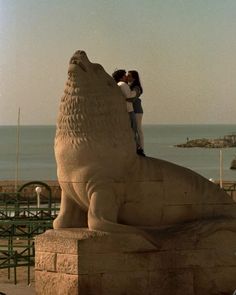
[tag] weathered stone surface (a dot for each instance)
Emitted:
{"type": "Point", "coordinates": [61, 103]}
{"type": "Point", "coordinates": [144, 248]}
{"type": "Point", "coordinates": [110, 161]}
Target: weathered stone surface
{"type": "Point", "coordinates": [105, 185]}
{"type": "Point", "coordinates": [155, 227]}
{"type": "Point", "coordinates": [171, 282]}
{"type": "Point", "coordinates": [51, 283]}
{"type": "Point", "coordinates": [45, 261]}
{"type": "Point", "coordinates": [220, 280]}
{"type": "Point", "coordinates": [91, 284]}
{"type": "Point", "coordinates": [67, 263]}
{"type": "Point", "coordinates": [65, 241]}
{"type": "Point", "coordinates": [133, 283]}
{"type": "Point", "coordinates": [186, 262]}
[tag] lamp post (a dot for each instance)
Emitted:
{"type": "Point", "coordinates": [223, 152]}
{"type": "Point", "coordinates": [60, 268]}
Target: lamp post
{"type": "Point", "coordinates": [221, 169]}
{"type": "Point", "coordinates": [38, 190]}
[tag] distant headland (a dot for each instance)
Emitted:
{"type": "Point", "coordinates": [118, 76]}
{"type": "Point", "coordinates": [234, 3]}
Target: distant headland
{"type": "Point", "coordinates": [226, 142]}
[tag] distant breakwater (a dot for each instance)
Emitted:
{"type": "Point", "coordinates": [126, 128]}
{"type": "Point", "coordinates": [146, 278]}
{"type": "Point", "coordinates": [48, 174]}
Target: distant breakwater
{"type": "Point", "coordinates": [227, 141]}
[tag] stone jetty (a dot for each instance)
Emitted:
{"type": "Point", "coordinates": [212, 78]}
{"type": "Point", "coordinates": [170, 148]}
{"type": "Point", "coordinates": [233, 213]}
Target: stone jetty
{"type": "Point", "coordinates": [225, 142]}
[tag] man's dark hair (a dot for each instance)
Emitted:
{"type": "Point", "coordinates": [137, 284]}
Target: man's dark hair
{"type": "Point", "coordinates": [118, 75]}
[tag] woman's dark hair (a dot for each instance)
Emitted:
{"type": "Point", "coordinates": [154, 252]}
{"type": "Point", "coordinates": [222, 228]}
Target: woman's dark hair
{"type": "Point", "coordinates": [136, 81]}
{"type": "Point", "coordinates": [118, 75]}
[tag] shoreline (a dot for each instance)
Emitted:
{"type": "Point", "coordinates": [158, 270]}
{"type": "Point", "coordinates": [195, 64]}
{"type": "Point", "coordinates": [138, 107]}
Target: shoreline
{"type": "Point", "coordinates": [8, 186]}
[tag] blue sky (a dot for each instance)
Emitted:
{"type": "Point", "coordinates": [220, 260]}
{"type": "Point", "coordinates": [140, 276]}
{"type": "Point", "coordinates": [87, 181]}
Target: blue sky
{"type": "Point", "coordinates": [184, 50]}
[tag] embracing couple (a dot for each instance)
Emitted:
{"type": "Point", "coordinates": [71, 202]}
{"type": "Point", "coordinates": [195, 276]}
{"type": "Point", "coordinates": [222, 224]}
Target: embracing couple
{"type": "Point", "coordinates": [131, 88]}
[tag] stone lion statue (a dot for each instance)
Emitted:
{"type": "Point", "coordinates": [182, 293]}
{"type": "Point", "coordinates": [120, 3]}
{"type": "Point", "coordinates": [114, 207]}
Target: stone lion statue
{"type": "Point", "coordinates": [105, 185]}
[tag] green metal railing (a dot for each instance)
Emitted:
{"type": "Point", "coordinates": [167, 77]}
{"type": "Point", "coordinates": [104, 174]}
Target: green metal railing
{"type": "Point", "coordinates": [20, 221]}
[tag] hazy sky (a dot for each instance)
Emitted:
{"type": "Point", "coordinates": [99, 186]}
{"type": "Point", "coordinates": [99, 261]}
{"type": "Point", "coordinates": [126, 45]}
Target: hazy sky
{"type": "Point", "coordinates": [185, 51]}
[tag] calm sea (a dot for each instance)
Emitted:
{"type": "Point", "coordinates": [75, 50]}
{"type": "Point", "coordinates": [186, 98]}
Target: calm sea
{"type": "Point", "coordinates": [37, 162]}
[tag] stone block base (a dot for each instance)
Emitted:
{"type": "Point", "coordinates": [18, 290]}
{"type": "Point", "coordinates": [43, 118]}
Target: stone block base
{"type": "Point", "coordinates": [83, 262]}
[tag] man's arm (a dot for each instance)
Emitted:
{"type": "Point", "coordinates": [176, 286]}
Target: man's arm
{"type": "Point", "coordinates": [127, 92]}
{"type": "Point", "coordinates": [138, 93]}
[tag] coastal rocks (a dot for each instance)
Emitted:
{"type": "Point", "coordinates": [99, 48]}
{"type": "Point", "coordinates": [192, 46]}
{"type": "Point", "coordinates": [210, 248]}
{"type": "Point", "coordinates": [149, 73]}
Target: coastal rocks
{"type": "Point", "coordinates": [225, 142]}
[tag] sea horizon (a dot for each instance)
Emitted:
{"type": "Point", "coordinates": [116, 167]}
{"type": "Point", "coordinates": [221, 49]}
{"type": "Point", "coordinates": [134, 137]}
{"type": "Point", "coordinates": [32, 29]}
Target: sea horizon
{"type": "Point", "coordinates": [180, 124]}
{"type": "Point", "coordinates": [37, 161]}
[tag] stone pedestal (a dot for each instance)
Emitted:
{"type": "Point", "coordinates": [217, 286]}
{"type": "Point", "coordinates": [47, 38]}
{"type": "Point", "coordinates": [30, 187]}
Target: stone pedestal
{"type": "Point", "coordinates": [83, 262]}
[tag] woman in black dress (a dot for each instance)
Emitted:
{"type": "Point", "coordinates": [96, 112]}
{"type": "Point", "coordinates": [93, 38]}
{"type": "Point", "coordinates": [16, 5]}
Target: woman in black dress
{"type": "Point", "coordinates": [134, 83]}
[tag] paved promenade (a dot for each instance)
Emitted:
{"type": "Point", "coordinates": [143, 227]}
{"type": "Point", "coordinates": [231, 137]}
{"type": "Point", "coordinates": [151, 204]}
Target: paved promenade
{"type": "Point", "coordinates": [19, 289]}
